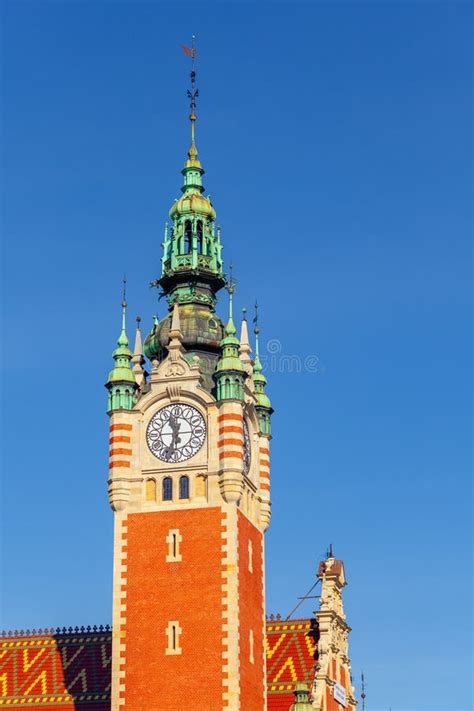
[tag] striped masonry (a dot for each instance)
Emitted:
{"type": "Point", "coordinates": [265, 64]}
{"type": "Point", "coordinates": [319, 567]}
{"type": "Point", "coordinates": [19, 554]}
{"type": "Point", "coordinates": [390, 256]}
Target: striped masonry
{"type": "Point", "coordinates": [120, 446]}
{"type": "Point", "coordinates": [264, 462]}
{"type": "Point", "coordinates": [231, 438]}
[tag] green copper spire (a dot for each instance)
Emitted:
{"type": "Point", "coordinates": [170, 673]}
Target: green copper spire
{"type": "Point", "coordinates": [230, 329]}
{"type": "Point", "coordinates": [263, 406]}
{"type": "Point", "coordinates": [121, 383]}
{"type": "Point", "coordinates": [191, 266]}
{"type": "Point", "coordinates": [301, 702]}
{"type": "Point", "coordinates": [230, 372]}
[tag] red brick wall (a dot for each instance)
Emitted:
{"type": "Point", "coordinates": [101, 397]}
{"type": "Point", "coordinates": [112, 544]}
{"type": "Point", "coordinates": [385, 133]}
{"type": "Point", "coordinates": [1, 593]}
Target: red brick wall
{"type": "Point", "coordinates": [251, 616]}
{"type": "Point", "coordinates": [187, 591]}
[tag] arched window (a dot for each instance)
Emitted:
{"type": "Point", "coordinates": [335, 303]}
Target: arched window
{"type": "Point", "coordinates": [199, 238]}
{"type": "Point", "coordinates": [167, 489]}
{"type": "Point", "coordinates": [188, 236]}
{"type": "Point", "coordinates": [237, 387]}
{"type": "Point", "coordinates": [150, 490]}
{"type": "Point", "coordinates": [184, 487]}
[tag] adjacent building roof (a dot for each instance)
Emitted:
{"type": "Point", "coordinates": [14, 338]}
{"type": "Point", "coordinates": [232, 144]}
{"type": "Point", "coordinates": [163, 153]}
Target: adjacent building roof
{"type": "Point", "coordinates": [291, 649]}
{"type": "Point", "coordinates": [67, 669]}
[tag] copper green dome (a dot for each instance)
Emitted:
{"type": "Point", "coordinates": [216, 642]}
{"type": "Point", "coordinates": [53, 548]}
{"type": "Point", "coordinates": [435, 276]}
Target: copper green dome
{"type": "Point", "coordinates": [200, 328]}
{"type": "Point", "coordinates": [193, 203]}
{"type": "Point", "coordinates": [202, 331]}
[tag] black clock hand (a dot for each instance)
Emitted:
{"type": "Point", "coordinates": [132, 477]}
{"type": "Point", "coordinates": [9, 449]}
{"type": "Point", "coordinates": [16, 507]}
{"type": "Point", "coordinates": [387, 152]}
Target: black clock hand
{"type": "Point", "coordinates": [175, 438]}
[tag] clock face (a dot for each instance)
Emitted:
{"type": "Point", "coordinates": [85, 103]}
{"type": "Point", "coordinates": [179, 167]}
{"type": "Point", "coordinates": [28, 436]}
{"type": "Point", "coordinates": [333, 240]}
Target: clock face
{"type": "Point", "coordinates": [247, 453]}
{"type": "Point", "coordinates": [176, 433]}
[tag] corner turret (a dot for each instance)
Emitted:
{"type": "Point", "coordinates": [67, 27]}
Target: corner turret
{"type": "Point", "coordinates": [121, 382]}
{"type": "Point", "coordinates": [263, 406]}
{"type": "Point", "coordinates": [230, 372]}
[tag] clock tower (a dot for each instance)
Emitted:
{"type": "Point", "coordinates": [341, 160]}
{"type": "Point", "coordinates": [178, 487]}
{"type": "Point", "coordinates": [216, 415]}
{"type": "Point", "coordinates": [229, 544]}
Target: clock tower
{"type": "Point", "coordinates": [189, 485]}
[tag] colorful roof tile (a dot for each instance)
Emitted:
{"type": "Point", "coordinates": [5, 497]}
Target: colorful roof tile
{"type": "Point", "coordinates": [63, 670]}
{"type": "Point", "coordinates": [291, 649]}
{"type": "Point", "coordinates": [56, 671]}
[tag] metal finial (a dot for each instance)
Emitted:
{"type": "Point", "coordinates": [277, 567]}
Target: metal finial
{"type": "Point", "coordinates": [363, 694]}
{"type": "Point", "coordinates": [138, 320]}
{"type": "Point", "coordinates": [256, 329]}
{"type": "Point", "coordinates": [124, 291]}
{"type": "Point", "coordinates": [193, 93]}
{"type": "Point", "coordinates": [230, 285]}
{"type": "Point", "coordinates": [244, 314]}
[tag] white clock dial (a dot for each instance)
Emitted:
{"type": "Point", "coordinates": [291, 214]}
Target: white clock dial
{"type": "Point", "coordinates": [247, 449]}
{"type": "Point", "coordinates": [176, 433]}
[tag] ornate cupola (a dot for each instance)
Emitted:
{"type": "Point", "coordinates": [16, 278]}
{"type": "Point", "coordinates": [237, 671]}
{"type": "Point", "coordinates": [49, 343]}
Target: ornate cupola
{"type": "Point", "coordinates": [263, 406]}
{"type": "Point", "coordinates": [230, 373]}
{"type": "Point", "coordinates": [191, 266]}
{"type": "Point", "coordinates": [121, 382]}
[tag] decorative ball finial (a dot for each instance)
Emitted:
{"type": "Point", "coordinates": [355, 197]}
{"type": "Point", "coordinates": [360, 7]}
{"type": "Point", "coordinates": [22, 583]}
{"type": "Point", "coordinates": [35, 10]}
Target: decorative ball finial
{"type": "Point", "coordinates": [231, 283]}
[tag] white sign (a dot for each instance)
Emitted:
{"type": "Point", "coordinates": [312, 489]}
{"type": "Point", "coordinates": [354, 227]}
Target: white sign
{"type": "Point", "coordinates": [340, 694]}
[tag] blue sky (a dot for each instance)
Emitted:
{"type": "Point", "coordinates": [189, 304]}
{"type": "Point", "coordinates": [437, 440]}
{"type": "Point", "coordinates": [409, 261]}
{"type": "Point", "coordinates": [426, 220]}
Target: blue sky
{"type": "Point", "coordinates": [337, 146]}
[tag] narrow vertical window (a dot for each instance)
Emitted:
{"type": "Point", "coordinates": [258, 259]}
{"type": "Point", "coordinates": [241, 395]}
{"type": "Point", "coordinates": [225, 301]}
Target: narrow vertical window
{"type": "Point", "coordinates": [167, 489]}
{"type": "Point", "coordinates": [251, 657]}
{"type": "Point", "coordinates": [199, 237]}
{"type": "Point", "coordinates": [174, 539]}
{"type": "Point", "coordinates": [173, 634]}
{"type": "Point", "coordinates": [188, 236]}
{"type": "Point", "coordinates": [150, 490]}
{"type": "Point", "coordinates": [250, 549]}
{"type": "Point", "coordinates": [184, 487]}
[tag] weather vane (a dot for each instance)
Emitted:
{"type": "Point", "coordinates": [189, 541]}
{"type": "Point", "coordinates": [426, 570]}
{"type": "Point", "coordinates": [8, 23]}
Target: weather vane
{"type": "Point", "coordinates": [193, 93]}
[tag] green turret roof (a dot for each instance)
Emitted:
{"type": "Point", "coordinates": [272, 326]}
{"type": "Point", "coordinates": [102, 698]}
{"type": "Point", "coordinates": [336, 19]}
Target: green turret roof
{"type": "Point", "coordinates": [258, 377]}
{"type": "Point", "coordinates": [122, 371]}
{"type": "Point", "coordinates": [230, 358]}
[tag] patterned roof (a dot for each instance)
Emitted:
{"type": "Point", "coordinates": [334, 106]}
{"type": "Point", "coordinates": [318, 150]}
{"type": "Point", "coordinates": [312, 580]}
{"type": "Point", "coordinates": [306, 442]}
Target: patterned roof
{"type": "Point", "coordinates": [56, 671]}
{"type": "Point", "coordinates": [291, 648]}
{"type": "Point", "coordinates": [69, 669]}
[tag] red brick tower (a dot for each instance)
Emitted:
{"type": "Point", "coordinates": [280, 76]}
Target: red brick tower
{"type": "Point", "coordinates": [189, 487]}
